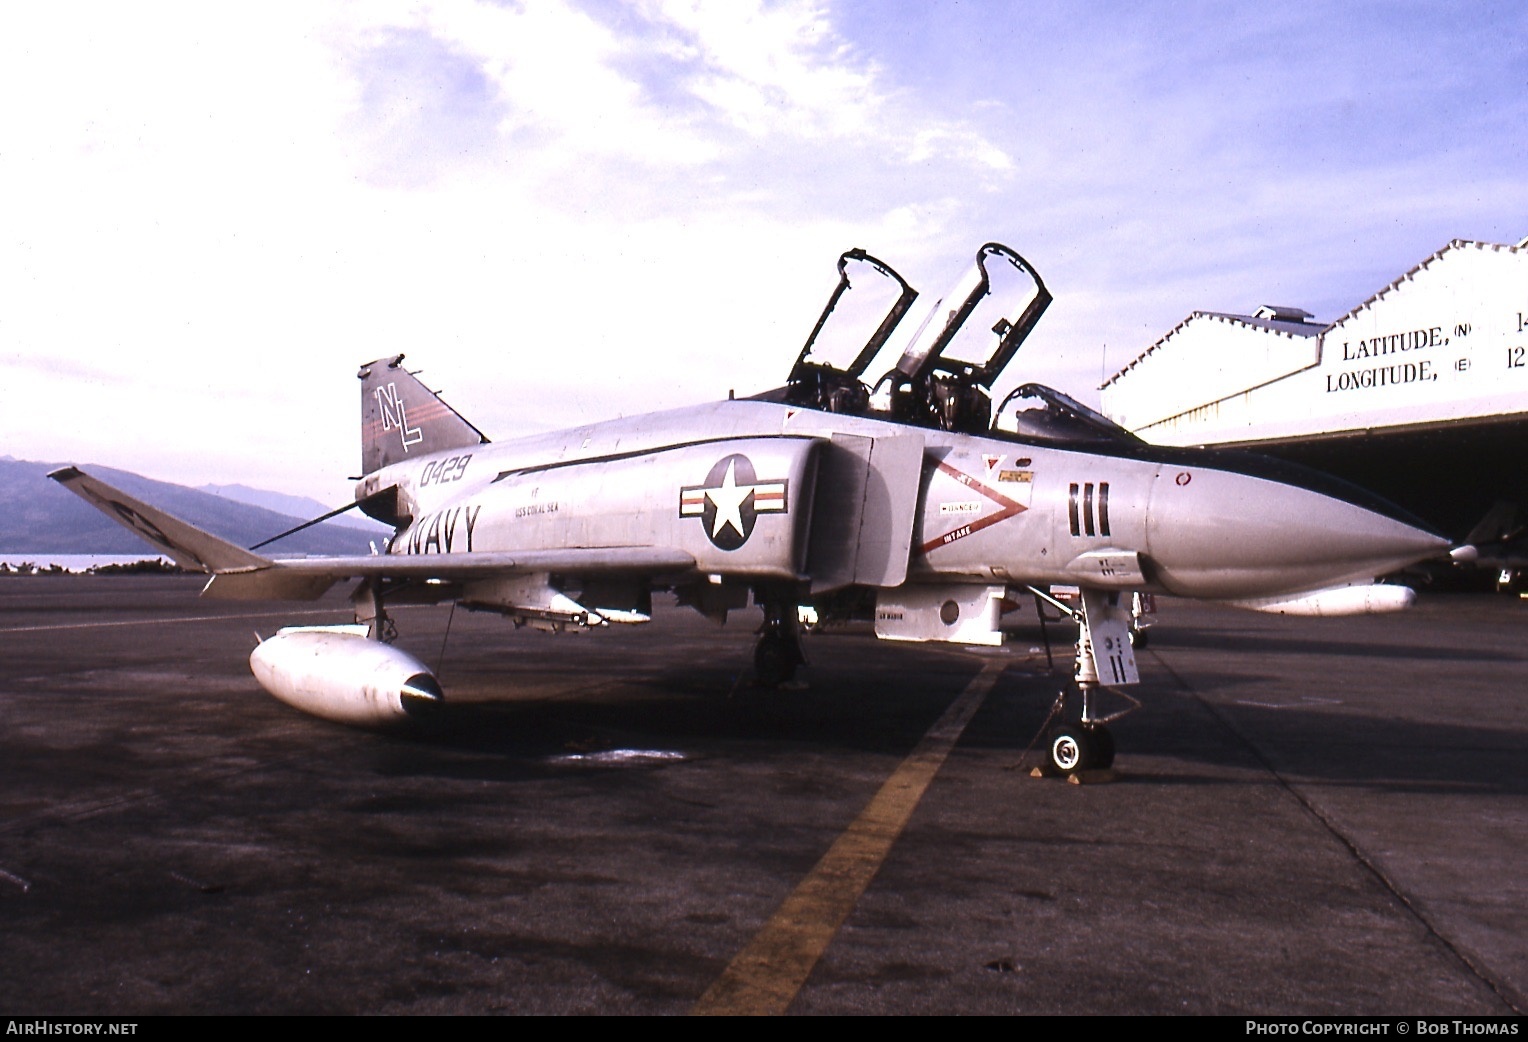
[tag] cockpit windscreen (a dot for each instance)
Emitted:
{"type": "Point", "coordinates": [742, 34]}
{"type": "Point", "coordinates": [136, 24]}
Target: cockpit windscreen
{"type": "Point", "coordinates": [1043, 413]}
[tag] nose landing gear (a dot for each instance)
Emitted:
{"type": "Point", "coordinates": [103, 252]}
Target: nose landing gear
{"type": "Point", "coordinates": [1085, 743]}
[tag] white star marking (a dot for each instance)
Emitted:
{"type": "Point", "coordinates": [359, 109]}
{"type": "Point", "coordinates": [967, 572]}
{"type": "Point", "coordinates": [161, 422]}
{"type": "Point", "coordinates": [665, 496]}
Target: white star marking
{"type": "Point", "coordinates": [729, 503]}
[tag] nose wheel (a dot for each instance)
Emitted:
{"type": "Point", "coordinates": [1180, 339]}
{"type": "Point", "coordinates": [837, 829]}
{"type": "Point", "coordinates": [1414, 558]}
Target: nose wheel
{"type": "Point", "coordinates": [1071, 748]}
{"type": "Point", "coordinates": [1083, 742]}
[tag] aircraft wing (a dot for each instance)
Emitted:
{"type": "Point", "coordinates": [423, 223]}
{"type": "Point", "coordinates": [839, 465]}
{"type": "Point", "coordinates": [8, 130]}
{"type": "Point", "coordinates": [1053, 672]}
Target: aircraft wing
{"type": "Point", "coordinates": [241, 574]}
{"type": "Point", "coordinates": [307, 578]}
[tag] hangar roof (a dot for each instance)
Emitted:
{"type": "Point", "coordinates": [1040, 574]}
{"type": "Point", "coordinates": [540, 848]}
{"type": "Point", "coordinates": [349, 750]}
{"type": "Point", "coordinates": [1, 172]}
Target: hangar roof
{"type": "Point", "coordinates": [1279, 319]}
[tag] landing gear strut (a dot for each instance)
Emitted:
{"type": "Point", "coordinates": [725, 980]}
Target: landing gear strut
{"type": "Point", "coordinates": [367, 602]}
{"type": "Point", "coordinates": [778, 652]}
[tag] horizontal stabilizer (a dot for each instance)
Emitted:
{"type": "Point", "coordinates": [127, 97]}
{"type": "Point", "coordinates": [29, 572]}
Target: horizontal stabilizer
{"type": "Point", "coordinates": [184, 543]}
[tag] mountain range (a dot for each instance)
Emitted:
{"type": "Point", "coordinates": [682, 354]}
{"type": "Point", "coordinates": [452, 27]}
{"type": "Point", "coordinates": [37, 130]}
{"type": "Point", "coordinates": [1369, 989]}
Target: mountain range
{"type": "Point", "coordinates": [42, 517]}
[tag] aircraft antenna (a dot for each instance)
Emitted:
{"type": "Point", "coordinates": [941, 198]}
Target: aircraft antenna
{"type": "Point", "coordinates": [307, 524]}
{"type": "Point", "coordinates": [440, 659]}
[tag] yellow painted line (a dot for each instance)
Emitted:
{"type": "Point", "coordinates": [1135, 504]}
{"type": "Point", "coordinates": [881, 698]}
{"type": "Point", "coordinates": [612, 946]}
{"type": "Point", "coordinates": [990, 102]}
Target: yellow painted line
{"type": "Point", "coordinates": [766, 975]}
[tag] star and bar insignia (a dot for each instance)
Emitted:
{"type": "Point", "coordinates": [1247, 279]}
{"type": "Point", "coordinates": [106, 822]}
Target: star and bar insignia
{"type": "Point", "coordinates": [731, 500]}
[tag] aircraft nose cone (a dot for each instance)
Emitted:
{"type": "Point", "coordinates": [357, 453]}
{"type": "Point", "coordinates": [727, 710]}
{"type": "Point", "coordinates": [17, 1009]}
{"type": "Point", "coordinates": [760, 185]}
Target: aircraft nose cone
{"type": "Point", "coordinates": [1219, 533]}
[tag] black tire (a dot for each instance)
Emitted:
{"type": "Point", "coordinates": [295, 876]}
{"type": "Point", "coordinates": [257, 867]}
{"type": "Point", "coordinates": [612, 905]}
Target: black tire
{"type": "Point", "coordinates": [773, 663]}
{"type": "Point", "coordinates": [1103, 746]}
{"type": "Point", "coordinates": [1069, 749]}
{"type": "Point", "coordinates": [1137, 638]}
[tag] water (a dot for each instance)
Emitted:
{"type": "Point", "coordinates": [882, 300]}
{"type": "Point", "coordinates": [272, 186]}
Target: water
{"type": "Point", "coordinates": [76, 562]}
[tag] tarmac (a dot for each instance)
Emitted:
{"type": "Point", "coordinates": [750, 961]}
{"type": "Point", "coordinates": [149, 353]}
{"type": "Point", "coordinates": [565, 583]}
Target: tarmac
{"type": "Point", "coordinates": [1308, 816]}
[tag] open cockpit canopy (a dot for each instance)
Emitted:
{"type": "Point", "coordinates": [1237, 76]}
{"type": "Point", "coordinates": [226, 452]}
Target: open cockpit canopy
{"type": "Point", "coordinates": [975, 329]}
{"type": "Point", "coordinates": [943, 376]}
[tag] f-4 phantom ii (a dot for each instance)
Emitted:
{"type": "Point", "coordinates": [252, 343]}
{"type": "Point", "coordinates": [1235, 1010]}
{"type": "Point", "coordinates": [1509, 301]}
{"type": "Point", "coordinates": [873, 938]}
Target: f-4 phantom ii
{"type": "Point", "coordinates": [910, 503]}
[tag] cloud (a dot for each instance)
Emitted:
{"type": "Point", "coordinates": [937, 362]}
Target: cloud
{"type": "Point", "coordinates": [427, 106]}
{"type": "Point", "coordinates": [741, 98]}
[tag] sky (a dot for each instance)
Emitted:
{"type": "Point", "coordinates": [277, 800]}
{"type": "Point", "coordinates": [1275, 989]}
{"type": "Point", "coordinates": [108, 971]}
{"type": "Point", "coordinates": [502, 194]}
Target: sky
{"type": "Point", "coordinates": [563, 211]}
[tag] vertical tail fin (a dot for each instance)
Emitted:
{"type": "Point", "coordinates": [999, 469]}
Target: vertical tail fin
{"type": "Point", "coordinates": [402, 418]}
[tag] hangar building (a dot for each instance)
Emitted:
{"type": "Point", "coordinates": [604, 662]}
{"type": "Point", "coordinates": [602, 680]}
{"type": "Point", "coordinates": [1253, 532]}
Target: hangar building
{"type": "Point", "coordinates": [1419, 393]}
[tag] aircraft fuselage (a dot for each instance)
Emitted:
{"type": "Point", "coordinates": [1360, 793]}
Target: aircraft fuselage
{"type": "Point", "coordinates": [735, 484]}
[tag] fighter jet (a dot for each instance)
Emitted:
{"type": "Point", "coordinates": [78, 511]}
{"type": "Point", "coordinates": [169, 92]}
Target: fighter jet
{"type": "Point", "coordinates": [909, 503]}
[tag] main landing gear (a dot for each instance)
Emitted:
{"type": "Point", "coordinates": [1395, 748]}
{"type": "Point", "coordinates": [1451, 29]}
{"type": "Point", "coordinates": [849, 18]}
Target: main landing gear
{"type": "Point", "coordinates": [366, 600]}
{"type": "Point", "coordinates": [778, 653]}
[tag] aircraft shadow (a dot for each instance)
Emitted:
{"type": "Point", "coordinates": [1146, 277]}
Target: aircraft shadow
{"type": "Point", "coordinates": [671, 718]}
{"type": "Point", "coordinates": [1262, 643]}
